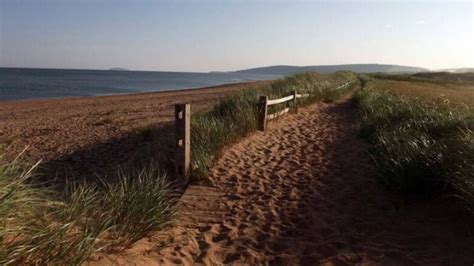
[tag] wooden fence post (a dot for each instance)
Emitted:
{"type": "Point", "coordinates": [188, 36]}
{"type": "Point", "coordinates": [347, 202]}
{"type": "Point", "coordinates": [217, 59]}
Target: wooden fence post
{"type": "Point", "coordinates": [183, 141]}
{"type": "Point", "coordinates": [262, 113]}
{"type": "Point", "coordinates": [295, 103]}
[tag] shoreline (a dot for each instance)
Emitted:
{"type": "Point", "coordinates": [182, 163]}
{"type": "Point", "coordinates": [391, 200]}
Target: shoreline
{"type": "Point", "coordinates": [224, 85]}
{"type": "Point", "coordinates": [89, 132]}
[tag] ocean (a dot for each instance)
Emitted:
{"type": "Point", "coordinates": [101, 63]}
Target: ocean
{"type": "Point", "coordinates": [23, 83]}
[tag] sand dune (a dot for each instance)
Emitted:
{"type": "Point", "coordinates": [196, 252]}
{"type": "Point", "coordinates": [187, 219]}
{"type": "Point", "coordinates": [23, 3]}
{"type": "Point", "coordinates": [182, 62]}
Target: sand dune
{"type": "Point", "coordinates": [302, 193]}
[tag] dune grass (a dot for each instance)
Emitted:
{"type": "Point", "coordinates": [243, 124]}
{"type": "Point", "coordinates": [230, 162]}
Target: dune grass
{"type": "Point", "coordinates": [420, 147]}
{"type": "Point", "coordinates": [428, 91]}
{"type": "Point", "coordinates": [41, 226]}
{"type": "Point", "coordinates": [235, 116]}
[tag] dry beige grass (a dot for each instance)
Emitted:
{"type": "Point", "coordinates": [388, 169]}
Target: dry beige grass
{"type": "Point", "coordinates": [455, 93]}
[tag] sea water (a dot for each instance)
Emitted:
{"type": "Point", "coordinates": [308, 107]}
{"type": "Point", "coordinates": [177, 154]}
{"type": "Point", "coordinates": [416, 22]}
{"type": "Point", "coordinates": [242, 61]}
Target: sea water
{"type": "Point", "coordinates": [23, 83]}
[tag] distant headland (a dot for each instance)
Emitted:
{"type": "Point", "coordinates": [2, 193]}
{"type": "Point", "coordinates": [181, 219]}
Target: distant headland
{"type": "Point", "coordinates": [360, 68]}
{"type": "Point", "coordinates": [119, 69]}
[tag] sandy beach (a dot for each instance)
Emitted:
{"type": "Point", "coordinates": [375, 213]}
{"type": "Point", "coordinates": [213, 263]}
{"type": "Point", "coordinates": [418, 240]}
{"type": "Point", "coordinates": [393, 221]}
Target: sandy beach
{"type": "Point", "coordinates": [88, 133]}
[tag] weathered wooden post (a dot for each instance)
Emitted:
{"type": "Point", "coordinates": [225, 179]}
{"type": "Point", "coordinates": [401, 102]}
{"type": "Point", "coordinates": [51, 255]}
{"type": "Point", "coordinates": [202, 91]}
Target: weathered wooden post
{"type": "Point", "coordinates": [295, 103]}
{"type": "Point", "coordinates": [262, 113]}
{"type": "Point", "coordinates": [182, 114]}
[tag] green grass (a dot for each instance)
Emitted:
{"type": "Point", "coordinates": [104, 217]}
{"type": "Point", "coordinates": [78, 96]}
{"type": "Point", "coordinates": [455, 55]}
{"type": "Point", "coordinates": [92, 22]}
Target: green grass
{"type": "Point", "coordinates": [40, 226]}
{"type": "Point", "coordinates": [420, 148]}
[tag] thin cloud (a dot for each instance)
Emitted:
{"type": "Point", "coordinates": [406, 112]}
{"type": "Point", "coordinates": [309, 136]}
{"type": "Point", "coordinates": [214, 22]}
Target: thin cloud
{"type": "Point", "coordinates": [420, 22]}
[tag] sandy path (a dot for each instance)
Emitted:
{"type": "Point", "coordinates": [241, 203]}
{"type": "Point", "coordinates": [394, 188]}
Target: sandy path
{"type": "Point", "coordinates": [302, 193]}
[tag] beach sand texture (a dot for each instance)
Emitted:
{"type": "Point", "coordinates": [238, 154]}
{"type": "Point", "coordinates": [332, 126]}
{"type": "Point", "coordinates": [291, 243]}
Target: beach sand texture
{"type": "Point", "coordinates": [303, 193]}
{"type": "Point", "coordinates": [85, 135]}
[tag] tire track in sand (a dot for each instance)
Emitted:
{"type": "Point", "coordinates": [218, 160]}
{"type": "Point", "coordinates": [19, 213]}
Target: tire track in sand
{"type": "Point", "coordinates": [301, 193]}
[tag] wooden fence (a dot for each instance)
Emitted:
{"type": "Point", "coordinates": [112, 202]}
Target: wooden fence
{"type": "Point", "coordinates": [183, 127]}
{"type": "Point", "coordinates": [264, 102]}
{"type": "Point", "coordinates": [182, 114]}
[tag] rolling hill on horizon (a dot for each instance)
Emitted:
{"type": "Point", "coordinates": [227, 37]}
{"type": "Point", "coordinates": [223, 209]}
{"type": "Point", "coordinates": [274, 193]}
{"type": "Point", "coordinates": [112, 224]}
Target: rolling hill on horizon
{"type": "Point", "coordinates": [360, 68]}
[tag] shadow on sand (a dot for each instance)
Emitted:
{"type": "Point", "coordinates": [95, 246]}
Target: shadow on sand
{"type": "Point", "coordinates": [151, 146]}
{"type": "Point", "coordinates": [353, 219]}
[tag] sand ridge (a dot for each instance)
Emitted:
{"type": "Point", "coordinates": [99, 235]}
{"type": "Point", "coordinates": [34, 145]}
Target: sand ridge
{"type": "Point", "coordinates": [302, 193]}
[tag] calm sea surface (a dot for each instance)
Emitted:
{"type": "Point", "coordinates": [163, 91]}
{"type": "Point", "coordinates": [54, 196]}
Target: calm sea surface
{"type": "Point", "coordinates": [22, 84]}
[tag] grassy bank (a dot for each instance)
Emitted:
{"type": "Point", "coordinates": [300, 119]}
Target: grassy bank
{"type": "Point", "coordinates": [421, 146]}
{"type": "Point", "coordinates": [40, 226]}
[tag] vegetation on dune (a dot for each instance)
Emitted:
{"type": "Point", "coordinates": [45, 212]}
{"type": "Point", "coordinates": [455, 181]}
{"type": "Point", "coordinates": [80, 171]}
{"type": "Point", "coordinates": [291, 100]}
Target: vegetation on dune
{"type": "Point", "coordinates": [235, 117]}
{"type": "Point", "coordinates": [431, 90]}
{"type": "Point", "coordinates": [431, 77]}
{"type": "Point", "coordinates": [420, 147]}
{"type": "Point", "coordinates": [40, 226]}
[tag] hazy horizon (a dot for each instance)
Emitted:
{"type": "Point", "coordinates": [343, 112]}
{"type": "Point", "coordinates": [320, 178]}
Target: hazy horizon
{"type": "Point", "coordinates": [217, 70]}
{"type": "Point", "coordinates": [203, 36]}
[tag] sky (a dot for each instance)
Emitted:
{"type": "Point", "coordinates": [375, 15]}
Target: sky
{"type": "Point", "coordinates": [230, 35]}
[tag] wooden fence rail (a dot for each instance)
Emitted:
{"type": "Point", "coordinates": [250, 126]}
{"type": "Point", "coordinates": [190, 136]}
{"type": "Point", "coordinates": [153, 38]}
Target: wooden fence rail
{"type": "Point", "coordinates": [302, 95]}
{"type": "Point", "coordinates": [263, 104]}
{"type": "Point", "coordinates": [183, 127]}
{"type": "Point", "coordinates": [281, 100]}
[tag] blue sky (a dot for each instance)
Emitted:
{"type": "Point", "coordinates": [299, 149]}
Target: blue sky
{"type": "Point", "coordinates": [230, 35]}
